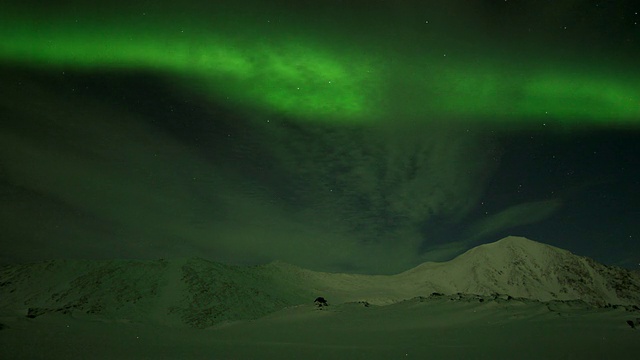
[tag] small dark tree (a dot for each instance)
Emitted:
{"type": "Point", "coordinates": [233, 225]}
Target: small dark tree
{"type": "Point", "coordinates": [320, 302]}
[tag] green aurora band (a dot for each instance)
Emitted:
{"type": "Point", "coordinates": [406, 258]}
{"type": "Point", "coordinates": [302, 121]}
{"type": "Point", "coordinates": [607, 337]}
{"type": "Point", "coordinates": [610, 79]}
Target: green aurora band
{"type": "Point", "coordinates": [309, 77]}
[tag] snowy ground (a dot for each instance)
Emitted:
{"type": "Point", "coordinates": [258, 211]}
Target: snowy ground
{"type": "Point", "coordinates": [440, 327]}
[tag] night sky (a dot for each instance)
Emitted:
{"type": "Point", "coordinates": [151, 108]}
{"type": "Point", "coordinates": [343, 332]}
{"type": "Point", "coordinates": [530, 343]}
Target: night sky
{"type": "Point", "coordinates": [357, 136]}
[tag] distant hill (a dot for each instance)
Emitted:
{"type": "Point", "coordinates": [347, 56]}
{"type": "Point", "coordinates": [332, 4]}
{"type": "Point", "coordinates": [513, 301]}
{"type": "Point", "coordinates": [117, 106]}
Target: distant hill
{"type": "Point", "coordinates": [199, 293]}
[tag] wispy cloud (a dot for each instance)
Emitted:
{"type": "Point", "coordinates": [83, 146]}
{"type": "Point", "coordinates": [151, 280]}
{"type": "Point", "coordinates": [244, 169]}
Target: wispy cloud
{"type": "Point", "coordinates": [335, 197]}
{"type": "Point", "coordinates": [516, 215]}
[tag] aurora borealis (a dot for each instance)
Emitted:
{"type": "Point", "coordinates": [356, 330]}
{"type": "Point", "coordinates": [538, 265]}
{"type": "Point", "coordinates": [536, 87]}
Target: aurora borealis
{"type": "Point", "coordinates": [386, 133]}
{"type": "Point", "coordinates": [313, 75]}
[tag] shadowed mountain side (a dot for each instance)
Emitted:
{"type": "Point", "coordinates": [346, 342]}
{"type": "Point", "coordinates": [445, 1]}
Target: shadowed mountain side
{"type": "Point", "coordinates": [195, 292]}
{"type": "Point", "coordinates": [200, 293]}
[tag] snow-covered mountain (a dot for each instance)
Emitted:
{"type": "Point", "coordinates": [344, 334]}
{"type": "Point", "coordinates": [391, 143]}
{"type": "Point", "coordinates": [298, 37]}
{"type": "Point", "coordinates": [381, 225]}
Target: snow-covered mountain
{"type": "Point", "coordinates": [200, 293]}
{"type": "Point", "coordinates": [525, 268]}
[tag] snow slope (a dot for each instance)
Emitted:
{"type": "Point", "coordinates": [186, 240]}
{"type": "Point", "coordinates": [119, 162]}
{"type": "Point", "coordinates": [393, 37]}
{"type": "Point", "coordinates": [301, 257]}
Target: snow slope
{"type": "Point", "coordinates": [514, 265]}
{"type": "Point", "coordinates": [437, 327]}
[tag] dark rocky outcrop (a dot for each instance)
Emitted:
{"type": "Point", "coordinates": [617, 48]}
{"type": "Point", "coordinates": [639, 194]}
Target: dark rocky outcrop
{"type": "Point", "coordinates": [320, 301]}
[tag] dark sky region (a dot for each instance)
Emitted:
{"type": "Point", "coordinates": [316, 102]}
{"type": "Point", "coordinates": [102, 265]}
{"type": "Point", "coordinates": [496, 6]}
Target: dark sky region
{"type": "Point", "coordinates": [358, 136]}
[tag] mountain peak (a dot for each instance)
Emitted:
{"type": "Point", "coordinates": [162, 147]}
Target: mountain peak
{"type": "Point", "coordinates": [519, 241]}
{"type": "Point", "coordinates": [513, 247]}
{"type": "Point", "coordinates": [515, 240]}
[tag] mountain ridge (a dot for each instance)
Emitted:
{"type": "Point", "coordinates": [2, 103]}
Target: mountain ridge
{"type": "Point", "coordinates": [199, 293]}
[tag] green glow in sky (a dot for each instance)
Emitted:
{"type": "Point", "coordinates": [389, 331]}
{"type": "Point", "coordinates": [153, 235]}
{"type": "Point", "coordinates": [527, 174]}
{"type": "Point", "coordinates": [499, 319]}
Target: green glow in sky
{"type": "Point", "coordinates": [310, 76]}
